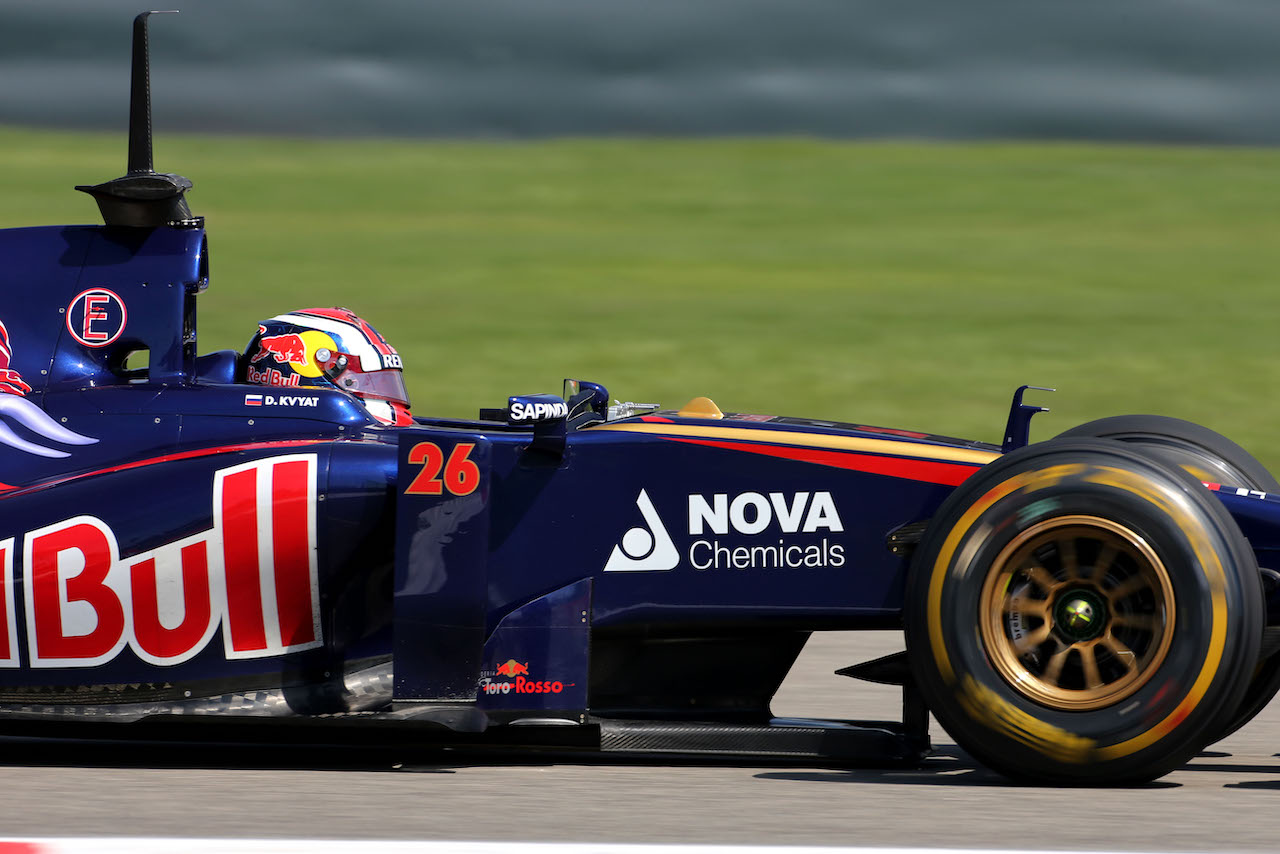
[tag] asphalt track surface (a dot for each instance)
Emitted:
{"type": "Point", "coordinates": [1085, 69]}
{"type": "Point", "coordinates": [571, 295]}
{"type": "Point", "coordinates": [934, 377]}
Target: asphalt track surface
{"type": "Point", "coordinates": [1227, 799]}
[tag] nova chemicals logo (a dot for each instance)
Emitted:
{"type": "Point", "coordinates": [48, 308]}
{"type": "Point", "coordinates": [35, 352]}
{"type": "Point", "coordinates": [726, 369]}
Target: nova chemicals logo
{"type": "Point", "coordinates": [644, 549]}
{"type": "Point", "coordinates": [750, 530]}
{"type": "Point", "coordinates": [774, 531]}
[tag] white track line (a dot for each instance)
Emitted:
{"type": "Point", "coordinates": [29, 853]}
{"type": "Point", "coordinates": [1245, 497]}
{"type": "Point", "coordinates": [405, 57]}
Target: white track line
{"type": "Point", "coordinates": [159, 845]}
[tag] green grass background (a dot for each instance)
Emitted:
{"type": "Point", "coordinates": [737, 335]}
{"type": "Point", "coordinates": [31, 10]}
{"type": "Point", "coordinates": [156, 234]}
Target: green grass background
{"type": "Point", "coordinates": [900, 284]}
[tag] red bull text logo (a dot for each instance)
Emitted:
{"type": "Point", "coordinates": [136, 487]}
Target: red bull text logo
{"type": "Point", "coordinates": [271, 376]}
{"type": "Point", "coordinates": [253, 573]}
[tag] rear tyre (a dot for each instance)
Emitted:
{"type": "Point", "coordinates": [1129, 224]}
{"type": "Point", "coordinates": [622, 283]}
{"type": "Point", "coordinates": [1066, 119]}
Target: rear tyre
{"type": "Point", "coordinates": [1212, 458]}
{"type": "Point", "coordinates": [1081, 613]}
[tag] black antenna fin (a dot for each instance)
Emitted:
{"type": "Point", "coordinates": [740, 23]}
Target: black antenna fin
{"type": "Point", "coordinates": [140, 97]}
{"type": "Point", "coordinates": [142, 197]}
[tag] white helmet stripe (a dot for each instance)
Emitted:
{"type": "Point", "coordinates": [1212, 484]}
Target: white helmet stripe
{"type": "Point", "coordinates": [370, 359]}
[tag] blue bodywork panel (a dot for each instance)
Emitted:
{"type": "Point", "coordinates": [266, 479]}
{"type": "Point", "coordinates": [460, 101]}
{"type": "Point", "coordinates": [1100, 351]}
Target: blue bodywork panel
{"type": "Point", "coordinates": [171, 532]}
{"type": "Point", "coordinates": [174, 537]}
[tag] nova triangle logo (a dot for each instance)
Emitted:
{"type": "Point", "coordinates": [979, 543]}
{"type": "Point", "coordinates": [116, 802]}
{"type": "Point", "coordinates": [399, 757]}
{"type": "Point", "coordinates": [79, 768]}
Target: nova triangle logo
{"type": "Point", "coordinates": [644, 549]}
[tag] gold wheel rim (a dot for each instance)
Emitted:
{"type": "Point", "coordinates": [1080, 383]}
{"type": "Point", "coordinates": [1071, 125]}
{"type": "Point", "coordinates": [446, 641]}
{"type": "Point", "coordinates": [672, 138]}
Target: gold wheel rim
{"type": "Point", "coordinates": [1076, 613]}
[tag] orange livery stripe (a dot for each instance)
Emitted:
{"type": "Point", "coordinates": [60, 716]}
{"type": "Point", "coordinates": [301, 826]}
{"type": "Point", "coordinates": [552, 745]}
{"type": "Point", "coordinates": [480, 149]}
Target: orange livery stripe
{"type": "Point", "coordinates": [928, 471]}
{"type": "Point", "coordinates": [942, 464]}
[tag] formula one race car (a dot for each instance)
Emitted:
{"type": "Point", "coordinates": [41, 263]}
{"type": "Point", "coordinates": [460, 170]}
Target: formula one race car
{"type": "Point", "coordinates": [271, 534]}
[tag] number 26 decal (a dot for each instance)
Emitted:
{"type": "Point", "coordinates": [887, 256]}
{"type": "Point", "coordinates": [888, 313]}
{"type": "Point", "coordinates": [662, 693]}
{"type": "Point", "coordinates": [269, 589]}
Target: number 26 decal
{"type": "Point", "coordinates": [461, 476]}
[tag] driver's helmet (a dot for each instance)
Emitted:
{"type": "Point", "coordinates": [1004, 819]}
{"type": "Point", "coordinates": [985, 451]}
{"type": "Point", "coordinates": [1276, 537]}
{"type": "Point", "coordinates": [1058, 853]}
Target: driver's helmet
{"type": "Point", "coordinates": [330, 348]}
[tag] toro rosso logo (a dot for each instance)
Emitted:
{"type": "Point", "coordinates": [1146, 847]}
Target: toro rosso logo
{"type": "Point", "coordinates": [516, 670]}
{"type": "Point", "coordinates": [253, 573]}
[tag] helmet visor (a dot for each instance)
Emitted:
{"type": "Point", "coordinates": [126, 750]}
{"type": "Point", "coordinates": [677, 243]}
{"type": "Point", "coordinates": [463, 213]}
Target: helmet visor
{"type": "Point", "coordinates": [384, 385]}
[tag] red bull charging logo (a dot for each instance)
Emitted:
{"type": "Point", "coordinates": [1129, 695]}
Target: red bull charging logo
{"type": "Point", "coordinates": [292, 352]}
{"type": "Point", "coordinates": [10, 380]}
{"type": "Point", "coordinates": [282, 348]}
{"type": "Point", "coordinates": [16, 407]}
{"type": "Point", "coordinates": [513, 668]}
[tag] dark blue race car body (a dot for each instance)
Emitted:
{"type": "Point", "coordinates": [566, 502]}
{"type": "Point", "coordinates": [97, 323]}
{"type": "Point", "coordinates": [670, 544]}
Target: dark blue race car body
{"type": "Point", "coordinates": [194, 542]}
{"type": "Point", "coordinates": [176, 542]}
{"type": "Point", "coordinates": [193, 539]}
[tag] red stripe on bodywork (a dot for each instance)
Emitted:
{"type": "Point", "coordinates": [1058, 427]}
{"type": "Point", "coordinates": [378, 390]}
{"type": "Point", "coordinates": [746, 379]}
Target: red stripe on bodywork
{"type": "Point", "coordinates": [927, 471]}
{"type": "Point", "coordinates": [167, 458]}
{"type": "Point", "coordinates": [291, 544]}
{"type": "Point", "coordinates": [240, 559]}
{"type": "Point", "coordinates": [890, 431]}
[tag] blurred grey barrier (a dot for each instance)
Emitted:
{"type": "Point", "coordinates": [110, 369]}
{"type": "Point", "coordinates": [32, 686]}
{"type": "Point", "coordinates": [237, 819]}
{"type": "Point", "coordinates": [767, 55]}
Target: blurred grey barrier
{"type": "Point", "coordinates": [1161, 70]}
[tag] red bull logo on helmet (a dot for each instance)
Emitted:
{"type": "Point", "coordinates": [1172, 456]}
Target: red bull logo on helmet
{"type": "Point", "coordinates": [282, 348]}
{"type": "Point", "coordinates": [287, 359]}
